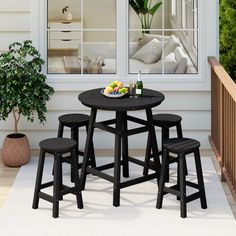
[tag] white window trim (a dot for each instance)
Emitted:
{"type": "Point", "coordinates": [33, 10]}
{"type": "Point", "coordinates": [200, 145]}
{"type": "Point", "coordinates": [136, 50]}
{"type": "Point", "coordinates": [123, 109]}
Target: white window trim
{"type": "Point", "coordinates": [174, 82]}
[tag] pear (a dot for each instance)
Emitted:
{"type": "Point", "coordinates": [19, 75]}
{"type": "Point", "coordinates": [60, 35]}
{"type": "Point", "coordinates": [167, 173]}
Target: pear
{"type": "Point", "coordinates": [108, 89]}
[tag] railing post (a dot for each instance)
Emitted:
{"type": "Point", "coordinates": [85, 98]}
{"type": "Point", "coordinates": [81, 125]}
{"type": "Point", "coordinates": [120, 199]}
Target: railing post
{"type": "Point", "coordinates": [221, 131]}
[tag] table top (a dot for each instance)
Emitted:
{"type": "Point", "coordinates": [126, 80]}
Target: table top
{"type": "Point", "coordinates": [95, 99]}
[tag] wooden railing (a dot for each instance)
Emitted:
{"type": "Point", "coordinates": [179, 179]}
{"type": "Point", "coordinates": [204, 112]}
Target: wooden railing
{"type": "Point", "coordinates": [223, 122]}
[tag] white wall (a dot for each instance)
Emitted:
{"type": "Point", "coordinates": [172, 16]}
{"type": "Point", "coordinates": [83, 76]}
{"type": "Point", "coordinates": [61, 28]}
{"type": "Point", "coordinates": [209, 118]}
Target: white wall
{"type": "Point", "coordinates": [15, 22]}
{"type": "Point", "coordinates": [192, 104]}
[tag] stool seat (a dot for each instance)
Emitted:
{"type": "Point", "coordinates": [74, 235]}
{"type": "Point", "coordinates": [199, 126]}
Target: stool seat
{"type": "Point", "coordinates": [58, 145]}
{"type": "Point", "coordinates": [74, 119]}
{"type": "Point", "coordinates": [181, 145]}
{"type": "Point", "coordinates": [166, 120]}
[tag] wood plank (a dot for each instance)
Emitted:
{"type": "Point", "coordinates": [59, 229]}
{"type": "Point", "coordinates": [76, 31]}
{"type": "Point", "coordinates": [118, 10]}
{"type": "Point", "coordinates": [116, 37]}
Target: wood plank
{"type": "Point", "coordinates": [223, 76]}
{"type": "Point", "coordinates": [199, 120]}
{"type": "Point", "coordinates": [15, 6]}
{"type": "Point", "coordinates": [10, 37]}
{"type": "Point", "coordinates": [187, 101]}
{"type": "Point", "coordinates": [15, 21]}
{"type": "Point", "coordinates": [106, 140]}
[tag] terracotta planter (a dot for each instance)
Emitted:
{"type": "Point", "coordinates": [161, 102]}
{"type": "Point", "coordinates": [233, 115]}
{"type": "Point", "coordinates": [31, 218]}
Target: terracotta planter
{"type": "Point", "coordinates": [15, 150]}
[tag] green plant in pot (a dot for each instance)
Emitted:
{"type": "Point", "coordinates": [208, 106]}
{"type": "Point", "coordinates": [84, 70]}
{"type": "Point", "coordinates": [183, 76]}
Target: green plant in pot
{"type": "Point", "coordinates": [23, 92]}
{"type": "Point", "coordinates": [145, 9]}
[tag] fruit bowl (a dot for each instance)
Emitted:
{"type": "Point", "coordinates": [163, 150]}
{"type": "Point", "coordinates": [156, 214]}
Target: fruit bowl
{"type": "Point", "coordinates": [115, 89]}
{"type": "Point", "coordinates": [113, 95]}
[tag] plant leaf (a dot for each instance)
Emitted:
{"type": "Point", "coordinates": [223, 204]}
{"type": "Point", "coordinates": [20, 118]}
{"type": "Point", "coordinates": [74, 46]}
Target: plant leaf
{"type": "Point", "coordinates": [153, 10]}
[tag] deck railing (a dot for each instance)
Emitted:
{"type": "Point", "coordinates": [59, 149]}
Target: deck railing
{"type": "Point", "coordinates": [223, 122]}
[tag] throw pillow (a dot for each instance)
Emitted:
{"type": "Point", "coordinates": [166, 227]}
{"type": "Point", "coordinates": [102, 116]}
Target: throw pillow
{"type": "Point", "coordinates": [182, 60]}
{"type": "Point", "coordinates": [150, 52]}
{"type": "Point", "coordinates": [148, 37]}
{"type": "Point", "coordinates": [171, 45]}
{"type": "Point", "coordinates": [170, 64]}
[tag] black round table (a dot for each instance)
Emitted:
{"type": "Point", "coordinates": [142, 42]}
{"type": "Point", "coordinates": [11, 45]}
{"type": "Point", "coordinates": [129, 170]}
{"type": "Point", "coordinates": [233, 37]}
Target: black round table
{"type": "Point", "coordinates": [97, 101]}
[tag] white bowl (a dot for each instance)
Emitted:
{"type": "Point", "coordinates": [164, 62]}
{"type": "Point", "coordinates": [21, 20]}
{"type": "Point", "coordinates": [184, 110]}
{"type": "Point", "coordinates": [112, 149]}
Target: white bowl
{"type": "Point", "coordinates": [111, 95]}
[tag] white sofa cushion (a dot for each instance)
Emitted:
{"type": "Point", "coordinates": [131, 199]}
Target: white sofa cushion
{"type": "Point", "coordinates": [170, 64]}
{"type": "Point", "coordinates": [150, 52]}
{"type": "Point", "coordinates": [171, 45]}
{"type": "Point", "coordinates": [148, 37]}
{"type": "Point", "coordinates": [181, 59]}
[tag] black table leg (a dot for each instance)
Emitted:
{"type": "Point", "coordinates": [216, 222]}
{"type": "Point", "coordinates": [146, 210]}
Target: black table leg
{"type": "Point", "coordinates": [89, 139]}
{"type": "Point", "coordinates": [116, 184]}
{"type": "Point", "coordinates": [147, 156]}
{"type": "Point", "coordinates": [125, 151]}
{"type": "Point", "coordinates": [153, 142]}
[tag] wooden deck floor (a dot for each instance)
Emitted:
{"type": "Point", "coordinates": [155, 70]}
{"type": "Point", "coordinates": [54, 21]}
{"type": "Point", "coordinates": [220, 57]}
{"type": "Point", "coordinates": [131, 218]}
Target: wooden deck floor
{"type": "Point", "coordinates": [8, 175]}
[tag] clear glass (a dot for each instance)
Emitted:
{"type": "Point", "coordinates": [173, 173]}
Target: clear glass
{"type": "Point", "coordinates": [99, 14]}
{"type": "Point", "coordinates": [176, 48]}
{"type": "Point", "coordinates": [81, 46]}
{"type": "Point", "coordinates": [142, 52]}
{"type": "Point", "coordinates": [146, 21]}
{"type": "Point", "coordinates": [182, 51]}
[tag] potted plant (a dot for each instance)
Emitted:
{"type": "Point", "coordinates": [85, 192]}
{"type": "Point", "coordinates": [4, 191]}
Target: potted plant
{"type": "Point", "coordinates": [23, 91]}
{"type": "Point", "coordinates": [145, 9]}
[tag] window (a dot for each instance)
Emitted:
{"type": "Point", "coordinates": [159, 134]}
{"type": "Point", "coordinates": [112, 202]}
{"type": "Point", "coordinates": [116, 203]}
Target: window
{"type": "Point", "coordinates": [80, 36]}
{"type": "Point", "coordinates": [173, 7]}
{"type": "Point", "coordinates": [166, 45]}
{"type": "Point", "coordinates": [183, 14]}
{"type": "Point", "coordinates": [195, 23]}
{"type": "Point", "coordinates": [86, 37]}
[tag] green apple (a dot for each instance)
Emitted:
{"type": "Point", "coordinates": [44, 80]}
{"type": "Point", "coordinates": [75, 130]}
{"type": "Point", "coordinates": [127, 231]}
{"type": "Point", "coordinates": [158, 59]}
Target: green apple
{"type": "Point", "coordinates": [122, 90]}
{"type": "Point", "coordinates": [113, 84]}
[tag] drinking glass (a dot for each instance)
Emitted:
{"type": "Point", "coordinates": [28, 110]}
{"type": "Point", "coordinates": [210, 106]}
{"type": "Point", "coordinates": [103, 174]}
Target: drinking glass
{"type": "Point", "coordinates": [132, 89]}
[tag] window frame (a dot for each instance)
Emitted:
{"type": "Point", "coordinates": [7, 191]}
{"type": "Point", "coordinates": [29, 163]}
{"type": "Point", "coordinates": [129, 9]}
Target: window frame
{"type": "Point", "coordinates": [72, 81]}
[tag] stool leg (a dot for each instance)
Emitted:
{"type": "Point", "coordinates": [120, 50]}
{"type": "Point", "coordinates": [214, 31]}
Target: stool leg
{"type": "Point", "coordinates": [74, 164]}
{"type": "Point", "coordinates": [60, 130]}
{"type": "Point", "coordinates": [59, 135]}
{"type": "Point", "coordinates": [180, 135]}
{"type": "Point", "coordinates": [162, 180]}
{"type": "Point", "coordinates": [125, 147]}
{"type": "Point", "coordinates": [147, 156]}
{"type": "Point", "coordinates": [165, 134]}
{"type": "Point", "coordinates": [60, 177]}
{"type": "Point", "coordinates": [91, 151]}
{"type": "Point", "coordinates": [38, 179]}
{"type": "Point", "coordinates": [200, 179]}
{"type": "Point", "coordinates": [182, 186]}
{"type": "Point", "coordinates": [56, 186]}
{"type": "Point", "coordinates": [75, 136]}
{"type": "Point", "coordinates": [179, 130]}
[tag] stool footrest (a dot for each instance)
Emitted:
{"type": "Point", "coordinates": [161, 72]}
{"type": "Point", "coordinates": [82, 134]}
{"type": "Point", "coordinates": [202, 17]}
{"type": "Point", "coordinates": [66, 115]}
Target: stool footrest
{"type": "Point", "coordinates": [100, 174]}
{"type": "Point", "coordinates": [46, 197]}
{"type": "Point", "coordinates": [193, 196]}
{"type": "Point", "coordinates": [173, 189]}
{"type": "Point", "coordinates": [193, 185]}
{"type": "Point", "coordinates": [45, 185]}
{"type": "Point", "coordinates": [105, 167]}
{"type": "Point", "coordinates": [67, 190]}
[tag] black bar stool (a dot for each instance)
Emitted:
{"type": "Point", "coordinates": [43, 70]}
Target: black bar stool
{"type": "Point", "coordinates": [74, 122]}
{"type": "Point", "coordinates": [165, 122]}
{"type": "Point", "coordinates": [57, 147]}
{"type": "Point", "coordinates": [182, 147]}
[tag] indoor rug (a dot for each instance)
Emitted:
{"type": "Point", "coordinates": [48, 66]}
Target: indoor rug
{"type": "Point", "coordinates": [136, 215]}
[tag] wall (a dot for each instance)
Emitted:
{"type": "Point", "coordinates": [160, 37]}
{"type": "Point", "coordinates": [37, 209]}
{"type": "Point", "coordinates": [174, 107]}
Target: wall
{"type": "Point", "coordinates": [192, 104]}
{"type": "Point", "coordinates": [15, 22]}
